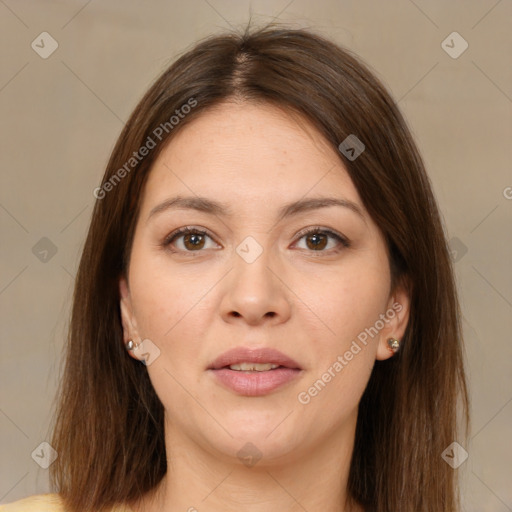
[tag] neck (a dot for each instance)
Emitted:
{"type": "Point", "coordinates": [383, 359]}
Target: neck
{"type": "Point", "coordinates": [312, 478]}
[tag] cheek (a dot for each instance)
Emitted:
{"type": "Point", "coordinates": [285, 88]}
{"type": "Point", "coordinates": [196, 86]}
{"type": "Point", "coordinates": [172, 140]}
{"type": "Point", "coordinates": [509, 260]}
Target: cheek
{"type": "Point", "coordinates": [348, 301]}
{"type": "Point", "coordinates": [171, 305]}
{"type": "Point", "coordinates": [344, 355]}
{"type": "Point", "coordinates": [162, 306]}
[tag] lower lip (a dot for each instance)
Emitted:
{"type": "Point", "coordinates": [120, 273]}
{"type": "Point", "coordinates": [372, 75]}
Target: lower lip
{"type": "Point", "coordinates": [255, 383]}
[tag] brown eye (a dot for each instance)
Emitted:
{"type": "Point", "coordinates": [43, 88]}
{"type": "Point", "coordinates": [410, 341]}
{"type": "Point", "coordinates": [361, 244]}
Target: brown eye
{"type": "Point", "coordinates": [317, 240]}
{"type": "Point", "coordinates": [192, 240]}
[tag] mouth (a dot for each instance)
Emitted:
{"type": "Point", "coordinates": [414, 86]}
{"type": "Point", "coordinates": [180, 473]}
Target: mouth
{"type": "Point", "coordinates": [247, 359]}
{"type": "Point", "coordinates": [254, 372]}
{"type": "Point", "coordinates": [247, 367]}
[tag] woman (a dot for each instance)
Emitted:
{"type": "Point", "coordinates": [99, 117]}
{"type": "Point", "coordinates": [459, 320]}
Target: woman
{"type": "Point", "coordinates": [265, 315]}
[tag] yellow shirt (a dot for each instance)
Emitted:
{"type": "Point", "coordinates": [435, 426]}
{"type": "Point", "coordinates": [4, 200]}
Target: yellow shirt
{"type": "Point", "coordinates": [45, 503]}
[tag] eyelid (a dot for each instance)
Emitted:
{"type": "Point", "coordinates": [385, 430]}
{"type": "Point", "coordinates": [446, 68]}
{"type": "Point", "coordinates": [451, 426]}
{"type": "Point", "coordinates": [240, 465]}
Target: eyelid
{"type": "Point", "coordinates": [183, 231]}
{"type": "Point", "coordinates": [319, 229]}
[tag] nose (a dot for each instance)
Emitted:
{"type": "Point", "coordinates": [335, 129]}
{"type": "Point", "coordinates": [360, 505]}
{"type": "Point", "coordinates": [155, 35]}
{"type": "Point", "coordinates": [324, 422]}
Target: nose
{"type": "Point", "coordinates": [255, 292]}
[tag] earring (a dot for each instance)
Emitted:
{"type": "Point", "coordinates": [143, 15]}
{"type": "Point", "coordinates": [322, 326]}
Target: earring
{"type": "Point", "coordinates": [131, 346]}
{"type": "Point", "coordinates": [393, 344]}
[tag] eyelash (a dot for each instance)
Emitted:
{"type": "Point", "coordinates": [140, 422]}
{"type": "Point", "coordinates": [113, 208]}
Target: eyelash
{"type": "Point", "coordinates": [309, 231]}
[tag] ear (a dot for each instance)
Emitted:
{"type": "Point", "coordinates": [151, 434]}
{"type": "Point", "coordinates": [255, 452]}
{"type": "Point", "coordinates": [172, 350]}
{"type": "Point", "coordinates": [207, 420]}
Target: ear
{"type": "Point", "coordinates": [130, 331]}
{"type": "Point", "coordinates": [397, 317]}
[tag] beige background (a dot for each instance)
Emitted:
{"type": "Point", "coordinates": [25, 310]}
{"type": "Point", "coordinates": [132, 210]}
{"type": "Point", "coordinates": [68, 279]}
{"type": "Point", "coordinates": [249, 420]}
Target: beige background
{"type": "Point", "coordinates": [61, 116]}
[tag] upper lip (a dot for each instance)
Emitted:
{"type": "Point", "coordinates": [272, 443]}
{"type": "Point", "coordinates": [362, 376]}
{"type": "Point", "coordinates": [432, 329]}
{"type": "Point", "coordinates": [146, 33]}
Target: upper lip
{"type": "Point", "coordinates": [253, 355]}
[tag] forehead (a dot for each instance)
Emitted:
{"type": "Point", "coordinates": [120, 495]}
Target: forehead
{"type": "Point", "coordinates": [255, 152]}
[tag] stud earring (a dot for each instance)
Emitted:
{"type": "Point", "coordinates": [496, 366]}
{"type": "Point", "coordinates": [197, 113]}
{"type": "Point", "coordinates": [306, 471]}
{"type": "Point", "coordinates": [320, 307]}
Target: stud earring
{"type": "Point", "coordinates": [393, 344]}
{"type": "Point", "coordinates": [130, 345]}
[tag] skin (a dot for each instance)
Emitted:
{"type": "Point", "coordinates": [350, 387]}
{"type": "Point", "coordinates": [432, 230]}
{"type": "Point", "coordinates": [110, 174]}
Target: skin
{"type": "Point", "coordinates": [308, 303]}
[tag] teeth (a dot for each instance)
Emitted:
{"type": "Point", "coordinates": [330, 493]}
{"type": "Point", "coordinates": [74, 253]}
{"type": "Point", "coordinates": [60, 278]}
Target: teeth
{"type": "Point", "coordinates": [246, 367]}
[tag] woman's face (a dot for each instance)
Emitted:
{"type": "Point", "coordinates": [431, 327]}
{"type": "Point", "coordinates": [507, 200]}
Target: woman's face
{"type": "Point", "coordinates": [257, 280]}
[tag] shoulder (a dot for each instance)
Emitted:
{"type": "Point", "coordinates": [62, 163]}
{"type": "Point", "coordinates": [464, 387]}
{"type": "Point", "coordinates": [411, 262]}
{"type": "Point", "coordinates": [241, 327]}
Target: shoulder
{"type": "Point", "coordinates": [46, 503]}
{"type": "Point", "coordinates": [36, 503]}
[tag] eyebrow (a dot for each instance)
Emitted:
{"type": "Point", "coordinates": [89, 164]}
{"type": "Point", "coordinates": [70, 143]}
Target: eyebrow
{"type": "Point", "coordinates": [212, 207]}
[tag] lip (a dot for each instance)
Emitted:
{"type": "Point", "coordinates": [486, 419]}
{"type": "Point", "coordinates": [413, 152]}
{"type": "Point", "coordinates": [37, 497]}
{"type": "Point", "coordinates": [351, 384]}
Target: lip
{"type": "Point", "coordinates": [251, 355]}
{"type": "Point", "coordinates": [254, 383]}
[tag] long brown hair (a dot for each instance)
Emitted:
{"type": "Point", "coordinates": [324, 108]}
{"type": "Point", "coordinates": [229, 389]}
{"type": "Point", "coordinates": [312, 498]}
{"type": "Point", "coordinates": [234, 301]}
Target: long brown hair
{"type": "Point", "coordinates": [109, 430]}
